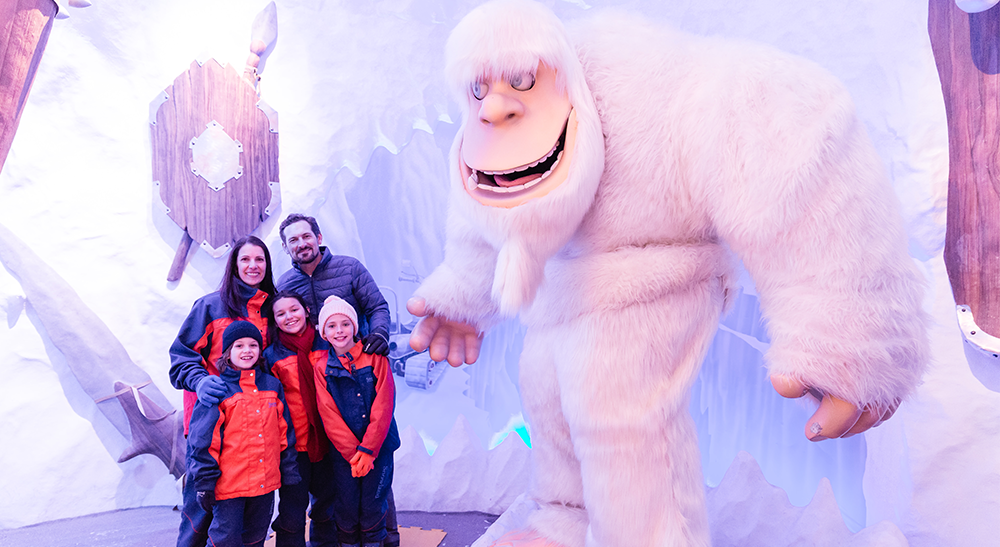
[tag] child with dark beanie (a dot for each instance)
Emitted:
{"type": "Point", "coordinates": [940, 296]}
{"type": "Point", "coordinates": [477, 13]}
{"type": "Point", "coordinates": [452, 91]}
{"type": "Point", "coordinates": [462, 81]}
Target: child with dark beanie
{"type": "Point", "coordinates": [242, 449]}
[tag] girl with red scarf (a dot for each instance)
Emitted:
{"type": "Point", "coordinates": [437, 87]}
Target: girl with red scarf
{"type": "Point", "coordinates": [296, 347]}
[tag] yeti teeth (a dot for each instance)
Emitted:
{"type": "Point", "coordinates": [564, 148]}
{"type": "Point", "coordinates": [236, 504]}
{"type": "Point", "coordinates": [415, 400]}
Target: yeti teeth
{"type": "Point", "coordinates": [524, 167]}
{"type": "Point", "coordinates": [473, 180]}
{"type": "Point", "coordinates": [495, 189]}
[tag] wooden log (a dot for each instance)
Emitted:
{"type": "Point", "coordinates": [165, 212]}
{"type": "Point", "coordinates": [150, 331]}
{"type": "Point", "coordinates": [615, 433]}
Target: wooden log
{"type": "Point", "coordinates": [967, 53]}
{"type": "Point", "coordinates": [24, 31]}
{"type": "Point", "coordinates": [180, 258]}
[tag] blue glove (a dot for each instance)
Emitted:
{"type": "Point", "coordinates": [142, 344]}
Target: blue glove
{"type": "Point", "coordinates": [211, 389]}
{"type": "Point", "coordinates": [206, 498]}
{"type": "Point", "coordinates": [375, 343]}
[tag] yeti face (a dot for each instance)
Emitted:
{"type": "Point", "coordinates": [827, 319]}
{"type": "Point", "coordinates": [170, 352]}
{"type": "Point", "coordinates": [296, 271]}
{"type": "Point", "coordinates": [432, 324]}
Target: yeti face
{"type": "Point", "coordinates": [518, 138]}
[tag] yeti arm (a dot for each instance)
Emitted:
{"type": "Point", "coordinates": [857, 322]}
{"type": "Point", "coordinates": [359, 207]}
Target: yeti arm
{"type": "Point", "coordinates": [802, 198]}
{"type": "Point", "coordinates": [454, 301]}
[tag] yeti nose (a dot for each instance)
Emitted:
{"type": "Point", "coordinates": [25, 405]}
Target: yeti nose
{"type": "Point", "coordinates": [498, 109]}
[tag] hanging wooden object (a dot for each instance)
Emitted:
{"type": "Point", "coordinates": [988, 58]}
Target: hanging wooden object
{"type": "Point", "coordinates": [215, 157]}
{"type": "Point", "coordinates": [24, 31]}
{"type": "Point", "coordinates": [967, 52]}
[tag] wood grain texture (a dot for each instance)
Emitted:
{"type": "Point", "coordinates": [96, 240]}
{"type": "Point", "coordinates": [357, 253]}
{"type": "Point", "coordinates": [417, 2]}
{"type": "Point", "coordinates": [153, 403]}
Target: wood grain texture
{"type": "Point", "coordinates": [967, 52]}
{"type": "Point", "coordinates": [197, 97]}
{"type": "Point", "coordinates": [24, 31]}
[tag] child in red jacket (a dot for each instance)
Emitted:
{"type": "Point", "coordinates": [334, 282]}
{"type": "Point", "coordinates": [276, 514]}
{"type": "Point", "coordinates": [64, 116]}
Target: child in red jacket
{"type": "Point", "coordinates": [356, 397]}
{"type": "Point", "coordinates": [242, 449]}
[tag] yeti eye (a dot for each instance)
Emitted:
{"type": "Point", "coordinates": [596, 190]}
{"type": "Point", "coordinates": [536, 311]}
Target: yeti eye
{"type": "Point", "coordinates": [523, 81]}
{"type": "Point", "coordinates": [479, 90]}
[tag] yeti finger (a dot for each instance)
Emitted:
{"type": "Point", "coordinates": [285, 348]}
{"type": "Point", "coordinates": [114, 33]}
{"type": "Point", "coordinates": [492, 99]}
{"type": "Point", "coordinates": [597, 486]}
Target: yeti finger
{"type": "Point", "coordinates": [868, 420]}
{"type": "Point", "coordinates": [833, 418]}
{"type": "Point", "coordinates": [473, 343]}
{"type": "Point", "coordinates": [417, 306]}
{"type": "Point", "coordinates": [788, 387]}
{"type": "Point", "coordinates": [456, 352]}
{"type": "Point", "coordinates": [440, 343]}
{"type": "Point", "coordinates": [424, 332]}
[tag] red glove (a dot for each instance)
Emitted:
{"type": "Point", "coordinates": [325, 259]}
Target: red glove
{"type": "Point", "coordinates": [361, 464]}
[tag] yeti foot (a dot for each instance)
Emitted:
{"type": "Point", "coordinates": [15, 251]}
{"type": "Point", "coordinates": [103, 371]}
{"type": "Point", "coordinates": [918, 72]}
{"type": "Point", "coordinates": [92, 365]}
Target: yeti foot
{"type": "Point", "coordinates": [524, 538]}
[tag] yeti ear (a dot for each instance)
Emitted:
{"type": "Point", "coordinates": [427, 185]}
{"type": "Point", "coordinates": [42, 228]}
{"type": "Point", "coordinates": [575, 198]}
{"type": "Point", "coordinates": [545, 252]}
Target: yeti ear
{"type": "Point", "coordinates": [517, 276]}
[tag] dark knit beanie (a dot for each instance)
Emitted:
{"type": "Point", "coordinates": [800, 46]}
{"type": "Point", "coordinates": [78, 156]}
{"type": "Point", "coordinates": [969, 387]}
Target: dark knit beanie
{"type": "Point", "coordinates": [240, 329]}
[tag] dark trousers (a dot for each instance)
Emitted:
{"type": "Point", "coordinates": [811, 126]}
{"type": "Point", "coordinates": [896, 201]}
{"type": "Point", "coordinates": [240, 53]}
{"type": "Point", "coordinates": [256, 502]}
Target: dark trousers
{"type": "Point", "coordinates": [293, 501]}
{"type": "Point", "coordinates": [362, 502]}
{"type": "Point", "coordinates": [194, 520]}
{"type": "Point", "coordinates": [240, 522]}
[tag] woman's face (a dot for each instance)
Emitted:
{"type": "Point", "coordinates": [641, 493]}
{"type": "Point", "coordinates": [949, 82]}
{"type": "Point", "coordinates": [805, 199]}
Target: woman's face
{"type": "Point", "coordinates": [289, 315]}
{"type": "Point", "coordinates": [251, 264]}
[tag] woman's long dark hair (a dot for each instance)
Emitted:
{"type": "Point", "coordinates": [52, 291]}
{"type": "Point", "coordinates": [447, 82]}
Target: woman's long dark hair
{"type": "Point", "coordinates": [268, 311]}
{"type": "Point", "coordinates": [229, 289]}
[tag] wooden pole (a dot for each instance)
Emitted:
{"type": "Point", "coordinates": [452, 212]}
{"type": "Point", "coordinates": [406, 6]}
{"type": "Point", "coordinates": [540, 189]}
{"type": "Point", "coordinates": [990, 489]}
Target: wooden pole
{"type": "Point", "coordinates": [967, 53]}
{"type": "Point", "coordinates": [24, 30]}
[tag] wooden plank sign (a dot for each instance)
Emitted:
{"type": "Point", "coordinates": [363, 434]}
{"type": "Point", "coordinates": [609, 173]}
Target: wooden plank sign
{"type": "Point", "coordinates": [967, 53]}
{"type": "Point", "coordinates": [215, 157]}
{"type": "Point", "coordinates": [24, 31]}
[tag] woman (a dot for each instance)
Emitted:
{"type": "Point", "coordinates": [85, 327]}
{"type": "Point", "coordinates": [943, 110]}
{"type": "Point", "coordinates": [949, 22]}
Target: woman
{"type": "Point", "coordinates": [246, 285]}
{"type": "Point", "coordinates": [294, 349]}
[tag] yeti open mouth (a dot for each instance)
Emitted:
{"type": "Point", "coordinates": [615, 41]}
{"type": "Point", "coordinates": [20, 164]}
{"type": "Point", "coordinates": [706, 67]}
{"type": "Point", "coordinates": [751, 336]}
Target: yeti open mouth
{"type": "Point", "coordinates": [519, 178]}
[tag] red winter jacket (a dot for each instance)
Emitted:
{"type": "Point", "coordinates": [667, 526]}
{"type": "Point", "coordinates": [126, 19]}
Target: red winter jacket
{"type": "Point", "coordinates": [356, 397]}
{"type": "Point", "coordinates": [199, 343]}
{"type": "Point", "coordinates": [245, 445]}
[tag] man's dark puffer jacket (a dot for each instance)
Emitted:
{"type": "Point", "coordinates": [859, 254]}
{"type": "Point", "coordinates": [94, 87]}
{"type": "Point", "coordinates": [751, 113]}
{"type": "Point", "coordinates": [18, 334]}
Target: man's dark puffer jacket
{"type": "Point", "coordinates": [347, 278]}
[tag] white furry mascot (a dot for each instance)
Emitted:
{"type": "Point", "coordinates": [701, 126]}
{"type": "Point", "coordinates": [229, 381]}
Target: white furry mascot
{"type": "Point", "coordinates": [603, 183]}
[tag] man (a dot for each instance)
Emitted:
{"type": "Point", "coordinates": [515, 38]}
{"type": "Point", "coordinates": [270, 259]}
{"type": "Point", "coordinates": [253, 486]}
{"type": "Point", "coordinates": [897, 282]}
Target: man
{"type": "Point", "coordinates": [316, 274]}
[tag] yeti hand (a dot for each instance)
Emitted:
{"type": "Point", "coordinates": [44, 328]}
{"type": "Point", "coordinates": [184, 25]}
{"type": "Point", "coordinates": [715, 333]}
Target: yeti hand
{"type": "Point", "coordinates": [455, 341]}
{"type": "Point", "coordinates": [835, 417]}
{"type": "Point", "coordinates": [361, 464]}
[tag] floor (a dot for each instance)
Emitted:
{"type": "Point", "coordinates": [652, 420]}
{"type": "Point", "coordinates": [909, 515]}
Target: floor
{"type": "Point", "coordinates": [157, 527]}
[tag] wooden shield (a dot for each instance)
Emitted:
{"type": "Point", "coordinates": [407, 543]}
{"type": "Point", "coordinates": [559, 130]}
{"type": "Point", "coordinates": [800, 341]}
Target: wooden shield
{"type": "Point", "coordinates": [967, 52]}
{"type": "Point", "coordinates": [24, 31]}
{"type": "Point", "coordinates": [210, 102]}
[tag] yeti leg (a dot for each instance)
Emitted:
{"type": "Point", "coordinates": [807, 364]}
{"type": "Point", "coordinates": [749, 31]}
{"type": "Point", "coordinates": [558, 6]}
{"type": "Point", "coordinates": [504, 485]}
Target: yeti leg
{"type": "Point", "coordinates": [625, 377]}
{"type": "Point", "coordinates": [555, 484]}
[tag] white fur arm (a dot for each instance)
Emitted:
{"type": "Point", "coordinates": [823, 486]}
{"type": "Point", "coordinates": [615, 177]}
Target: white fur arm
{"type": "Point", "coordinates": [805, 203]}
{"type": "Point", "coordinates": [459, 288]}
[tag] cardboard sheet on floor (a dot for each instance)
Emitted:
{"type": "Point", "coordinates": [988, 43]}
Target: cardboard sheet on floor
{"type": "Point", "coordinates": [409, 536]}
{"type": "Point", "coordinates": [415, 536]}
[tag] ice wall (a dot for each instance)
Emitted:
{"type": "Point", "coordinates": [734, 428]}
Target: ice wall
{"type": "Point", "coordinates": [365, 125]}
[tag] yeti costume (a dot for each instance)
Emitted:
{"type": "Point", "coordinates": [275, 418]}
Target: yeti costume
{"type": "Point", "coordinates": [690, 153]}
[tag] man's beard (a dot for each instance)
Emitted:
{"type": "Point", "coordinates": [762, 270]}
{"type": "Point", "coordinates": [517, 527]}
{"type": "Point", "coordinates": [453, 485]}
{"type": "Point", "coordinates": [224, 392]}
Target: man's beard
{"type": "Point", "coordinates": [314, 255]}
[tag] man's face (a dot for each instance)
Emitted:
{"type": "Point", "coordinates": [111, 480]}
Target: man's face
{"type": "Point", "coordinates": [301, 243]}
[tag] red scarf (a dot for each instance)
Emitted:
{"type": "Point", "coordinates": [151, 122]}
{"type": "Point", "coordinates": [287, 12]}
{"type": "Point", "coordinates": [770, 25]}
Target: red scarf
{"type": "Point", "coordinates": [317, 444]}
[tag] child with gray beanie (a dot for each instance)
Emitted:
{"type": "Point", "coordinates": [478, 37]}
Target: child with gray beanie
{"type": "Point", "coordinates": [356, 396]}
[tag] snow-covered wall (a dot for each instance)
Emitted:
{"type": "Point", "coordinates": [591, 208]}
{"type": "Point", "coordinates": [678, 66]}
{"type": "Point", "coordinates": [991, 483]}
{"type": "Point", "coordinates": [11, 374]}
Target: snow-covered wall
{"type": "Point", "coordinates": [365, 125]}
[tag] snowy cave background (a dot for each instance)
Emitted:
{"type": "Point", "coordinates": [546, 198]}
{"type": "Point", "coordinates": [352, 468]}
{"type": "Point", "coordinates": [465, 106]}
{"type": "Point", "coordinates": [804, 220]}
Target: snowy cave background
{"type": "Point", "coordinates": [365, 124]}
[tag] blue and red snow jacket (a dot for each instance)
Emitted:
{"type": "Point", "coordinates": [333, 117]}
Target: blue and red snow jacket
{"type": "Point", "coordinates": [198, 345]}
{"type": "Point", "coordinates": [282, 362]}
{"type": "Point", "coordinates": [357, 402]}
{"type": "Point", "coordinates": [245, 445]}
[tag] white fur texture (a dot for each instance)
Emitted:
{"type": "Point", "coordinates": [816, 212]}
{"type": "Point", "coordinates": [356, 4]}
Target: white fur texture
{"type": "Point", "coordinates": [705, 147]}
